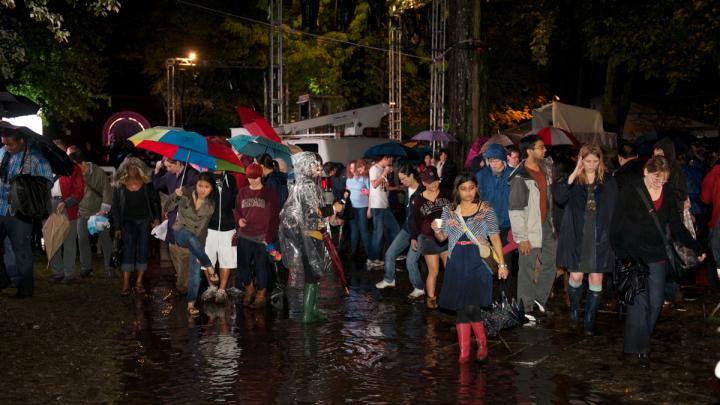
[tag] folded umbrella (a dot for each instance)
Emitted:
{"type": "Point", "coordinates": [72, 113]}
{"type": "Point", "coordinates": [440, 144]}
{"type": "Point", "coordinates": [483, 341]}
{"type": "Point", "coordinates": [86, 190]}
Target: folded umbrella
{"type": "Point", "coordinates": [55, 230]}
{"type": "Point", "coordinates": [505, 314]}
{"type": "Point", "coordinates": [552, 136]}
{"type": "Point", "coordinates": [59, 161]}
{"type": "Point", "coordinates": [189, 147]}
{"type": "Point", "coordinates": [337, 263]}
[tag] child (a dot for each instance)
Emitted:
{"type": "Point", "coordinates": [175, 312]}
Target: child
{"type": "Point", "coordinates": [195, 208]}
{"type": "Point", "coordinates": [467, 286]}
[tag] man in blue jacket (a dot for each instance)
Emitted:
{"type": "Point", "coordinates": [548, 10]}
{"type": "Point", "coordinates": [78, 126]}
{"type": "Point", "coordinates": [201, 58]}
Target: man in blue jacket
{"type": "Point", "coordinates": [494, 188]}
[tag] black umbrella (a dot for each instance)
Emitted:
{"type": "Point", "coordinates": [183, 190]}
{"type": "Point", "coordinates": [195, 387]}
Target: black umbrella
{"type": "Point", "coordinates": [505, 314]}
{"type": "Point", "coordinates": [16, 106]}
{"type": "Point", "coordinates": [394, 149]}
{"type": "Point", "coordinates": [59, 161]}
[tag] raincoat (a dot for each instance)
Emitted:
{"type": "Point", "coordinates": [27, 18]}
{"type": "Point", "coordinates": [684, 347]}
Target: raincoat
{"type": "Point", "coordinates": [301, 225]}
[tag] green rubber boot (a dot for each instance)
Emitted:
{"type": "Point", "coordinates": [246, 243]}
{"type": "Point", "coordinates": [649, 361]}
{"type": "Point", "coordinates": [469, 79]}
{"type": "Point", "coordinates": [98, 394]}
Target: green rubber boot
{"type": "Point", "coordinates": [311, 313]}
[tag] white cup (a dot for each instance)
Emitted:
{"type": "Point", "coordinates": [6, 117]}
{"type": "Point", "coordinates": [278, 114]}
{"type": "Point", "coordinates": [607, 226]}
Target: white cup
{"type": "Point", "coordinates": [438, 223]}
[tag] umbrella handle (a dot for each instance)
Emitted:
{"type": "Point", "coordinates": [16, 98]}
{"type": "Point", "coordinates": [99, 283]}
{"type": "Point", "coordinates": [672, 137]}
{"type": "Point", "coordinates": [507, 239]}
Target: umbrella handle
{"type": "Point", "coordinates": [187, 159]}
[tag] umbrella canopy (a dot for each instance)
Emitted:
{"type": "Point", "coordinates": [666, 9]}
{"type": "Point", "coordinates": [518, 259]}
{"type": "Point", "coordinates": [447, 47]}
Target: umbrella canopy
{"type": "Point", "coordinates": [434, 136]}
{"type": "Point", "coordinates": [505, 314]}
{"type": "Point", "coordinates": [475, 149]}
{"type": "Point", "coordinates": [59, 161]}
{"type": "Point", "coordinates": [189, 147]}
{"type": "Point", "coordinates": [503, 140]}
{"type": "Point", "coordinates": [55, 229]}
{"type": "Point", "coordinates": [256, 146]}
{"type": "Point", "coordinates": [394, 149]}
{"type": "Point", "coordinates": [256, 125]}
{"type": "Point", "coordinates": [16, 106]}
{"type": "Point", "coordinates": [552, 136]}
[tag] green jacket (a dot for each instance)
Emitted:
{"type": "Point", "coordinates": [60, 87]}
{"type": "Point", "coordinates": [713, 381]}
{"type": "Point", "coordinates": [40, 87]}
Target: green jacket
{"type": "Point", "coordinates": [98, 192]}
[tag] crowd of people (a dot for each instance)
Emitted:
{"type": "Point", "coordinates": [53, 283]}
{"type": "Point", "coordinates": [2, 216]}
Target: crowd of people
{"type": "Point", "coordinates": [515, 217]}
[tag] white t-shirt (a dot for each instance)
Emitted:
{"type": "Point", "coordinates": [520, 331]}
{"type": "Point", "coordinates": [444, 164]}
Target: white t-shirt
{"type": "Point", "coordinates": [378, 195]}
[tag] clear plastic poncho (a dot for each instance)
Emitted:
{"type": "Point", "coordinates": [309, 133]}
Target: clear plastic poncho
{"type": "Point", "coordinates": [300, 215]}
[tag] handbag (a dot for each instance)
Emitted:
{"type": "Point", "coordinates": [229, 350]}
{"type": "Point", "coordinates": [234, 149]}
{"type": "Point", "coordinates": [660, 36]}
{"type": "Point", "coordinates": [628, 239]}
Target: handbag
{"type": "Point", "coordinates": [630, 278]}
{"type": "Point", "coordinates": [486, 253]}
{"type": "Point", "coordinates": [116, 256]}
{"type": "Point", "coordinates": [680, 258]}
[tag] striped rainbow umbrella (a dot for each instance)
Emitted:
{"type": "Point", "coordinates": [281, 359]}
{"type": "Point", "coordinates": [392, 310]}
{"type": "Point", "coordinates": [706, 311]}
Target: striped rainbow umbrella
{"type": "Point", "coordinates": [189, 147]}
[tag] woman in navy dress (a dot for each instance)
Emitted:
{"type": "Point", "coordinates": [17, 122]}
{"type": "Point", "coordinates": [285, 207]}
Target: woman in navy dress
{"type": "Point", "coordinates": [467, 285]}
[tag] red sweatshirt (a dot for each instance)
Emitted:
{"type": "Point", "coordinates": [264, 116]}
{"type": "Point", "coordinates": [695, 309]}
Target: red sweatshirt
{"type": "Point", "coordinates": [261, 211]}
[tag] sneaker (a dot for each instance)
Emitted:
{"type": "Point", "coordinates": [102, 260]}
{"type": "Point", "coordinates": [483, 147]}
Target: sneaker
{"type": "Point", "coordinates": [401, 258]}
{"type": "Point", "coordinates": [385, 284]}
{"type": "Point", "coordinates": [378, 264]}
{"type": "Point", "coordinates": [416, 293]}
{"type": "Point", "coordinates": [369, 264]}
{"type": "Point", "coordinates": [209, 294]}
{"type": "Point", "coordinates": [220, 296]}
{"type": "Point", "coordinates": [234, 292]}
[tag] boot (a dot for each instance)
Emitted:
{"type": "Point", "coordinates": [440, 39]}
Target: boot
{"type": "Point", "coordinates": [259, 301]}
{"type": "Point", "coordinates": [249, 294]}
{"type": "Point", "coordinates": [482, 350]}
{"type": "Point", "coordinates": [463, 334]}
{"type": "Point", "coordinates": [575, 294]}
{"type": "Point", "coordinates": [311, 313]}
{"type": "Point", "coordinates": [591, 308]}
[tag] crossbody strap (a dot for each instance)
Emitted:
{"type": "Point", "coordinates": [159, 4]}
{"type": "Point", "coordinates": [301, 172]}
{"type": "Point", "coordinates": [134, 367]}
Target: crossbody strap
{"type": "Point", "coordinates": [653, 213]}
{"type": "Point", "coordinates": [461, 220]}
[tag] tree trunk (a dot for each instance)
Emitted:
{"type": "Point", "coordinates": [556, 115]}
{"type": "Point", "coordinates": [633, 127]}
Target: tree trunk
{"type": "Point", "coordinates": [459, 75]}
{"type": "Point", "coordinates": [609, 111]}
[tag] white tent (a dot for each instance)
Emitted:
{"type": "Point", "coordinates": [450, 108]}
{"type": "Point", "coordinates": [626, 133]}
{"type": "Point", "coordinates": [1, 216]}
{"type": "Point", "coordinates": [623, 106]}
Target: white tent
{"type": "Point", "coordinates": [585, 123]}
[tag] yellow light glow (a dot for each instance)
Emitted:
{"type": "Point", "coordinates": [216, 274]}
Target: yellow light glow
{"type": "Point", "coordinates": [192, 55]}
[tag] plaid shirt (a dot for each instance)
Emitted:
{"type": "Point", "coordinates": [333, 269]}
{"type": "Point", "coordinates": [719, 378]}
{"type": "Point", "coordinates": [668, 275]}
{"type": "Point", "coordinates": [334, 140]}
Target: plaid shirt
{"type": "Point", "coordinates": [39, 166]}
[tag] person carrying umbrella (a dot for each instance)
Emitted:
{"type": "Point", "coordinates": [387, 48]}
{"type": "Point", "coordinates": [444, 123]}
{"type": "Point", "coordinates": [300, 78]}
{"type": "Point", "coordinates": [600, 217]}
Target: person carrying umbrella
{"type": "Point", "coordinates": [16, 157]}
{"type": "Point", "coordinates": [467, 287]}
{"type": "Point", "coordinates": [303, 220]}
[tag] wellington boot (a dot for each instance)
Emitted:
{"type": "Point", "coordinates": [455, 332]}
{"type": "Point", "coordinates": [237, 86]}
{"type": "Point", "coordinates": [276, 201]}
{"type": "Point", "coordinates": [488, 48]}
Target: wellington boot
{"type": "Point", "coordinates": [575, 294]}
{"type": "Point", "coordinates": [311, 313]}
{"type": "Point", "coordinates": [249, 294]}
{"type": "Point", "coordinates": [463, 334]}
{"type": "Point", "coordinates": [259, 301]}
{"type": "Point", "coordinates": [591, 307]}
{"type": "Point", "coordinates": [482, 350]}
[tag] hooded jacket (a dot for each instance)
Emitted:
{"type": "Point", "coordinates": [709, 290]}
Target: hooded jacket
{"type": "Point", "coordinates": [225, 193]}
{"type": "Point", "coordinates": [494, 187]}
{"type": "Point", "coordinates": [524, 206]}
{"type": "Point", "coordinates": [677, 180]}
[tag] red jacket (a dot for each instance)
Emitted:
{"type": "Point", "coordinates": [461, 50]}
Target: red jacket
{"type": "Point", "coordinates": [73, 191]}
{"type": "Point", "coordinates": [710, 193]}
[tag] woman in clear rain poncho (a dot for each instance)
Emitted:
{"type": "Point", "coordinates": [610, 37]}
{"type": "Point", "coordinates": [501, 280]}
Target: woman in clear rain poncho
{"type": "Point", "coordinates": [303, 220]}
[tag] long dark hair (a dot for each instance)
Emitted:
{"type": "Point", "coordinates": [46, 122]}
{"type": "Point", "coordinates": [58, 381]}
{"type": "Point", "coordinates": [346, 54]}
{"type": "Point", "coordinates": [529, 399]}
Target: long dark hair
{"type": "Point", "coordinates": [208, 177]}
{"type": "Point", "coordinates": [464, 177]}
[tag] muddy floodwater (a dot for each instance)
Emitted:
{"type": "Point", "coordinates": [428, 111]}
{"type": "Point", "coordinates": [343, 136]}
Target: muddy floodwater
{"type": "Point", "coordinates": [83, 343]}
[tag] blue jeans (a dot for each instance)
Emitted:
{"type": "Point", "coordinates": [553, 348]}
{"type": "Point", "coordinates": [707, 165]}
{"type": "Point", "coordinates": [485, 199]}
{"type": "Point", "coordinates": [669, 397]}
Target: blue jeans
{"type": "Point", "coordinates": [135, 241]}
{"type": "Point", "coordinates": [645, 311]}
{"type": "Point", "coordinates": [10, 266]}
{"type": "Point", "coordinates": [384, 223]}
{"type": "Point", "coordinates": [187, 239]}
{"type": "Point", "coordinates": [193, 287]}
{"type": "Point", "coordinates": [359, 227]}
{"type": "Point", "coordinates": [19, 233]}
{"type": "Point", "coordinates": [399, 244]}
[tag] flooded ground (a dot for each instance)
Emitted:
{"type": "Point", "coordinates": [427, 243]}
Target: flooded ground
{"type": "Point", "coordinates": [83, 343]}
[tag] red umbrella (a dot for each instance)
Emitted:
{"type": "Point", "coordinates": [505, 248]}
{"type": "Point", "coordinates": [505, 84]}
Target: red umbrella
{"type": "Point", "coordinates": [552, 136]}
{"type": "Point", "coordinates": [257, 125]}
{"type": "Point", "coordinates": [337, 264]}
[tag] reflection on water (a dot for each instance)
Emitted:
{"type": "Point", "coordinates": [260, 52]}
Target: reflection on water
{"type": "Point", "coordinates": [376, 348]}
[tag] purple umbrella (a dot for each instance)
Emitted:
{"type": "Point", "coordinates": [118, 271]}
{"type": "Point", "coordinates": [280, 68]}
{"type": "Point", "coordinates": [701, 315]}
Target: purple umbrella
{"type": "Point", "coordinates": [434, 136]}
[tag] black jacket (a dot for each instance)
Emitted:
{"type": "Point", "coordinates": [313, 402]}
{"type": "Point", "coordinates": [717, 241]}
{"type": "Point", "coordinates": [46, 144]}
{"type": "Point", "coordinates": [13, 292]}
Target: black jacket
{"type": "Point", "coordinates": [118, 203]}
{"type": "Point", "coordinates": [633, 232]}
{"type": "Point", "coordinates": [570, 242]}
{"type": "Point", "coordinates": [677, 180]}
{"type": "Point", "coordinates": [229, 192]}
{"type": "Point", "coordinates": [278, 181]}
{"type": "Point", "coordinates": [630, 173]}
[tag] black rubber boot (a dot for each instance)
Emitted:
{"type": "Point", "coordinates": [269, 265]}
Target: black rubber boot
{"type": "Point", "coordinates": [575, 294]}
{"type": "Point", "coordinates": [591, 307]}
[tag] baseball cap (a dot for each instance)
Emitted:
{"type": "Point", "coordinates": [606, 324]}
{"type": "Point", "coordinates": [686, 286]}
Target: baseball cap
{"type": "Point", "coordinates": [429, 175]}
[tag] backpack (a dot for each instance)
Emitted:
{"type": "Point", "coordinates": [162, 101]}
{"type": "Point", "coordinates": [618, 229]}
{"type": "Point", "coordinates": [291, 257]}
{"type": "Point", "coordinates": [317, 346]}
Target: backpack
{"type": "Point", "coordinates": [29, 195]}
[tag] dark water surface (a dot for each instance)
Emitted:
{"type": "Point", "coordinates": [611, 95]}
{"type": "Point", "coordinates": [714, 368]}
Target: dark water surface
{"type": "Point", "coordinates": [377, 347]}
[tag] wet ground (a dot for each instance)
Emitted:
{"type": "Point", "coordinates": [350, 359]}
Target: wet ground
{"type": "Point", "coordinates": [83, 343]}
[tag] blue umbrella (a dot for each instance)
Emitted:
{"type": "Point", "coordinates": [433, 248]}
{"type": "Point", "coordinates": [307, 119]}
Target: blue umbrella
{"type": "Point", "coordinates": [394, 149]}
{"type": "Point", "coordinates": [257, 145]}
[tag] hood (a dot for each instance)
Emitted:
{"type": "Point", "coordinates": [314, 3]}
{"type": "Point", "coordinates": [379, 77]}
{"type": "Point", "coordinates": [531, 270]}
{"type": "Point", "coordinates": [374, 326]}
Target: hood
{"type": "Point", "coordinates": [668, 147]}
{"type": "Point", "coordinates": [306, 165]}
{"type": "Point", "coordinates": [495, 151]}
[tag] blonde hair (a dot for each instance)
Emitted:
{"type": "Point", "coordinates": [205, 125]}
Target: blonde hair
{"type": "Point", "coordinates": [122, 171]}
{"type": "Point", "coordinates": [600, 174]}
